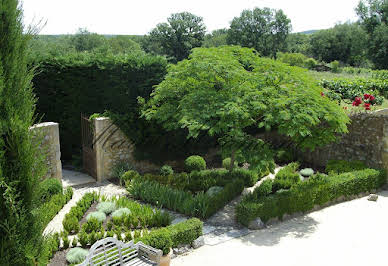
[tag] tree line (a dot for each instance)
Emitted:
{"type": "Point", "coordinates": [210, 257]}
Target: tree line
{"type": "Point", "coordinates": [268, 31]}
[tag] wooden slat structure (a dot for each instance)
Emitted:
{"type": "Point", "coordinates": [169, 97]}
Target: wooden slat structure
{"type": "Point", "coordinates": [112, 252]}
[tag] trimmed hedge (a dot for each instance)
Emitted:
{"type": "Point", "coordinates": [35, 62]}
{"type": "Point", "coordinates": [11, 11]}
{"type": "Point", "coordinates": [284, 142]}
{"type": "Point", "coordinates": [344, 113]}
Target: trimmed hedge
{"type": "Point", "coordinates": [48, 188]}
{"type": "Point", "coordinates": [342, 166]}
{"type": "Point", "coordinates": [195, 163]}
{"type": "Point", "coordinates": [302, 197]}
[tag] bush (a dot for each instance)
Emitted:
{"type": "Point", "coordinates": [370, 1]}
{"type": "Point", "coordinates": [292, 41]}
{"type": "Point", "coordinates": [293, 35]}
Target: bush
{"type": "Point", "coordinates": [195, 163]}
{"type": "Point", "coordinates": [249, 177]}
{"type": "Point", "coordinates": [264, 189]}
{"type": "Point", "coordinates": [106, 207]}
{"type": "Point", "coordinates": [92, 224]}
{"type": "Point", "coordinates": [303, 196]}
{"type": "Point", "coordinates": [284, 156]}
{"type": "Point", "coordinates": [160, 240]}
{"type": "Point", "coordinates": [71, 224]}
{"type": "Point", "coordinates": [306, 172]}
{"type": "Point", "coordinates": [286, 177]}
{"type": "Point", "coordinates": [128, 176]}
{"type": "Point", "coordinates": [119, 168]}
{"type": "Point", "coordinates": [76, 255]}
{"type": "Point", "coordinates": [120, 213]}
{"type": "Point", "coordinates": [83, 238]}
{"type": "Point", "coordinates": [100, 216]}
{"type": "Point", "coordinates": [226, 163]}
{"type": "Point", "coordinates": [342, 166]}
{"type": "Point", "coordinates": [166, 170]}
{"type": "Point", "coordinates": [335, 67]}
{"type": "Point", "coordinates": [48, 188]}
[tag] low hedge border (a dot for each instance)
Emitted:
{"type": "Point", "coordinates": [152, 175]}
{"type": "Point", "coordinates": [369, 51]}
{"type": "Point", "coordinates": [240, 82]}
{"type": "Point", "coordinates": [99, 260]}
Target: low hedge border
{"type": "Point", "coordinates": [47, 211]}
{"type": "Point", "coordinates": [317, 192]}
{"type": "Point", "coordinates": [200, 205]}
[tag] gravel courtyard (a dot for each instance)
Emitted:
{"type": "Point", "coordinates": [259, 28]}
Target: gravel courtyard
{"type": "Point", "coordinates": [347, 234]}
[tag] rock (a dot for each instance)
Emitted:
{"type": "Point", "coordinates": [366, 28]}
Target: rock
{"type": "Point", "coordinates": [256, 224]}
{"type": "Point", "coordinates": [199, 242]}
{"type": "Point", "coordinates": [181, 249]}
{"type": "Point", "coordinates": [372, 197]}
{"type": "Point", "coordinates": [214, 190]}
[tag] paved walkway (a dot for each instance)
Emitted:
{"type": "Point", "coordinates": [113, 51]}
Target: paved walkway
{"type": "Point", "coordinates": [347, 234]}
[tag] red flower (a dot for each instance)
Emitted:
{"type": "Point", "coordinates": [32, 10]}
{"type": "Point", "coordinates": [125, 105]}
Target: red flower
{"type": "Point", "coordinates": [355, 103]}
{"type": "Point", "coordinates": [366, 96]}
{"type": "Point", "coordinates": [367, 106]}
{"type": "Point", "coordinates": [322, 94]}
{"type": "Point", "coordinates": [371, 98]}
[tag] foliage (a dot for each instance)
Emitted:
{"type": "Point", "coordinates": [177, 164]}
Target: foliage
{"type": "Point", "coordinates": [373, 16]}
{"type": "Point", "coordinates": [299, 43]}
{"type": "Point", "coordinates": [160, 240]}
{"type": "Point", "coordinates": [21, 161]}
{"type": "Point", "coordinates": [306, 172]}
{"type": "Point", "coordinates": [72, 84]}
{"type": "Point", "coordinates": [342, 166]}
{"type": "Point", "coordinates": [106, 207]}
{"type": "Point", "coordinates": [286, 177]}
{"type": "Point", "coordinates": [380, 74]}
{"type": "Point", "coordinates": [47, 211]}
{"type": "Point", "coordinates": [128, 176]}
{"type": "Point", "coordinates": [93, 224]}
{"type": "Point", "coordinates": [264, 189]}
{"type": "Point", "coordinates": [265, 30]}
{"type": "Point", "coordinates": [213, 191]}
{"type": "Point", "coordinates": [195, 163]}
{"type": "Point", "coordinates": [71, 224]}
{"type": "Point", "coordinates": [83, 238]}
{"type": "Point", "coordinates": [199, 205]}
{"type": "Point", "coordinates": [119, 213]}
{"type": "Point", "coordinates": [349, 89]}
{"type": "Point", "coordinates": [297, 59]}
{"type": "Point", "coordinates": [215, 38]}
{"type": "Point", "coordinates": [345, 42]}
{"type": "Point", "coordinates": [303, 196]}
{"type": "Point", "coordinates": [226, 163]}
{"type": "Point", "coordinates": [284, 156]}
{"type": "Point", "coordinates": [48, 188]}
{"type": "Point", "coordinates": [335, 67]}
{"type": "Point", "coordinates": [224, 91]}
{"type": "Point", "coordinates": [182, 32]}
{"type": "Point", "coordinates": [119, 169]}
{"type": "Point", "coordinates": [166, 170]}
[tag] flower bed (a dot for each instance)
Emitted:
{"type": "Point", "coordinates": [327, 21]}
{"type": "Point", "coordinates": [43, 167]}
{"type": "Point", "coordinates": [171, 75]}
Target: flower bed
{"type": "Point", "coordinates": [318, 190]}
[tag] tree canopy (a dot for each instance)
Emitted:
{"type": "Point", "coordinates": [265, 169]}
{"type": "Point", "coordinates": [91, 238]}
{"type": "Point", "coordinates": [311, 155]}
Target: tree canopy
{"type": "Point", "coordinates": [264, 29]}
{"type": "Point", "coordinates": [182, 32]}
{"type": "Point", "coordinates": [224, 91]}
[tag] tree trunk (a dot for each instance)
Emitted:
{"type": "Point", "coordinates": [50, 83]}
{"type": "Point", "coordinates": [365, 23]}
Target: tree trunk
{"type": "Point", "coordinates": [232, 159]}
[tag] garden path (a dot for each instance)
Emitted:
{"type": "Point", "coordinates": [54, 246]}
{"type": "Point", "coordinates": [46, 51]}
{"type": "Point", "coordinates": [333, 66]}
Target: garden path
{"type": "Point", "coordinates": [352, 233]}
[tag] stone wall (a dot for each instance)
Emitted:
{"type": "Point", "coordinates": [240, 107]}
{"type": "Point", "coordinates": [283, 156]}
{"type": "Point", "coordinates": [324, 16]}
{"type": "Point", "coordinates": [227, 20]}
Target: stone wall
{"type": "Point", "coordinates": [112, 146]}
{"type": "Point", "coordinates": [47, 134]}
{"type": "Point", "coordinates": [366, 141]}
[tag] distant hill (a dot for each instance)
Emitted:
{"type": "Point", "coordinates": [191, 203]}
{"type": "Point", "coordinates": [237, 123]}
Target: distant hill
{"type": "Point", "coordinates": [308, 31]}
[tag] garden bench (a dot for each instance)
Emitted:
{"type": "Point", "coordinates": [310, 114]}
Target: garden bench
{"type": "Point", "coordinates": [110, 251]}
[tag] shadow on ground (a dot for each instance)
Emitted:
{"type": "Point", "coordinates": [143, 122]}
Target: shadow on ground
{"type": "Point", "coordinates": [299, 227]}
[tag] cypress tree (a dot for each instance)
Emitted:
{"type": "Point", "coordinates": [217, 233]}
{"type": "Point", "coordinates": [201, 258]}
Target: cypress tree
{"type": "Point", "coordinates": [20, 235]}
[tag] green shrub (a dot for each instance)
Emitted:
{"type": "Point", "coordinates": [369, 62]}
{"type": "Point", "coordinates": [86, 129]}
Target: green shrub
{"type": "Point", "coordinates": [48, 188]}
{"type": "Point", "coordinates": [286, 177]}
{"type": "Point", "coordinates": [195, 163]}
{"type": "Point", "coordinates": [248, 176]}
{"type": "Point", "coordinates": [226, 163]}
{"type": "Point", "coordinates": [306, 172]}
{"type": "Point", "coordinates": [264, 189]}
{"type": "Point", "coordinates": [128, 236]}
{"type": "Point", "coordinates": [166, 170]}
{"type": "Point", "coordinates": [66, 241]}
{"type": "Point", "coordinates": [185, 232]}
{"type": "Point", "coordinates": [342, 166]}
{"type": "Point", "coordinates": [74, 243]}
{"type": "Point", "coordinates": [284, 156]}
{"type": "Point", "coordinates": [100, 216]}
{"type": "Point", "coordinates": [92, 224]}
{"type": "Point", "coordinates": [83, 238]}
{"type": "Point", "coordinates": [128, 176]}
{"type": "Point", "coordinates": [302, 197]}
{"type": "Point", "coordinates": [70, 224]}
{"type": "Point", "coordinates": [160, 240]}
{"type": "Point", "coordinates": [76, 255]}
{"type": "Point", "coordinates": [119, 168]}
{"type": "Point", "coordinates": [106, 207]}
{"type": "Point", "coordinates": [120, 213]}
{"type": "Point", "coordinates": [335, 67]}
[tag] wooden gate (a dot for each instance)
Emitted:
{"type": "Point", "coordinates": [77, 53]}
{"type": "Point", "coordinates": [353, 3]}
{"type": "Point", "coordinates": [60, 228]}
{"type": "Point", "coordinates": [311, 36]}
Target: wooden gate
{"type": "Point", "coordinates": [88, 152]}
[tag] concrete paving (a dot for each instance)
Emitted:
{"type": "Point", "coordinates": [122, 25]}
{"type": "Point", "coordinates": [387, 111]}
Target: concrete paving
{"type": "Point", "coordinates": [73, 178]}
{"type": "Point", "coordinates": [351, 233]}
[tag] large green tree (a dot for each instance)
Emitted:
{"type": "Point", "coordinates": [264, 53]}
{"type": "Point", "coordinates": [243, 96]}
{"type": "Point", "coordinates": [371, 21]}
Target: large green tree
{"type": "Point", "coordinates": [230, 91]}
{"type": "Point", "coordinates": [264, 29]}
{"type": "Point", "coordinates": [373, 16]}
{"type": "Point", "coordinates": [182, 32]}
{"type": "Point", "coordinates": [216, 38]}
{"type": "Point", "coordinates": [344, 42]}
{"type": "Point", "coordinates": [20, 236]}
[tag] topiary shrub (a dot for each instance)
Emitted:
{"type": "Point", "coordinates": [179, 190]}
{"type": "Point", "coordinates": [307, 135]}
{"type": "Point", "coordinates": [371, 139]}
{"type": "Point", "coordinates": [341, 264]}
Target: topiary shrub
{"type": "Point", "coordinates": [166, 170]}
{"type": "Point", "coordinates": [48, 188]}
{"type": "Point", "coordinates": [100, 216]}
{"type": "Point", "coordinates": [286, 177]}
{"type": "Point", "coordinates": [195, 163]}
{"type": "Point", "coordinates": [159, 239]}
{"type": "Point", "coordinates": [306, 172]}
{"type": "Point", "coordinates": [264, 189]}
{"type": "Point", "coordinates": [128, 176]}
{"type": "Point", "coordinates": [106, 207]}
{"type": "Point", "coordinates": [226, 163]}
{"type": "Point", "coordinates": [342, 166]}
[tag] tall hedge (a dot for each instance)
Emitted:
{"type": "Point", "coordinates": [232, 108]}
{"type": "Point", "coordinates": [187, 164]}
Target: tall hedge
{"type": "Point", "coordinates": [86, 83]}
{"type": "Point", "coordinates": [20, 168]}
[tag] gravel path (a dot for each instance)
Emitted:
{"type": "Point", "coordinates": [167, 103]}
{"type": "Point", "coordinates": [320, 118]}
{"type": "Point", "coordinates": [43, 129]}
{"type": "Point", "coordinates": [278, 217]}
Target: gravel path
{"type": "Point", "coordinates": [352, 233]}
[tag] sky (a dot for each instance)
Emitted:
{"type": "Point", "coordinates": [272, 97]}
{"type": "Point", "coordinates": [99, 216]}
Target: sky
{"type": "Point", "coordinates": [138, 17]}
